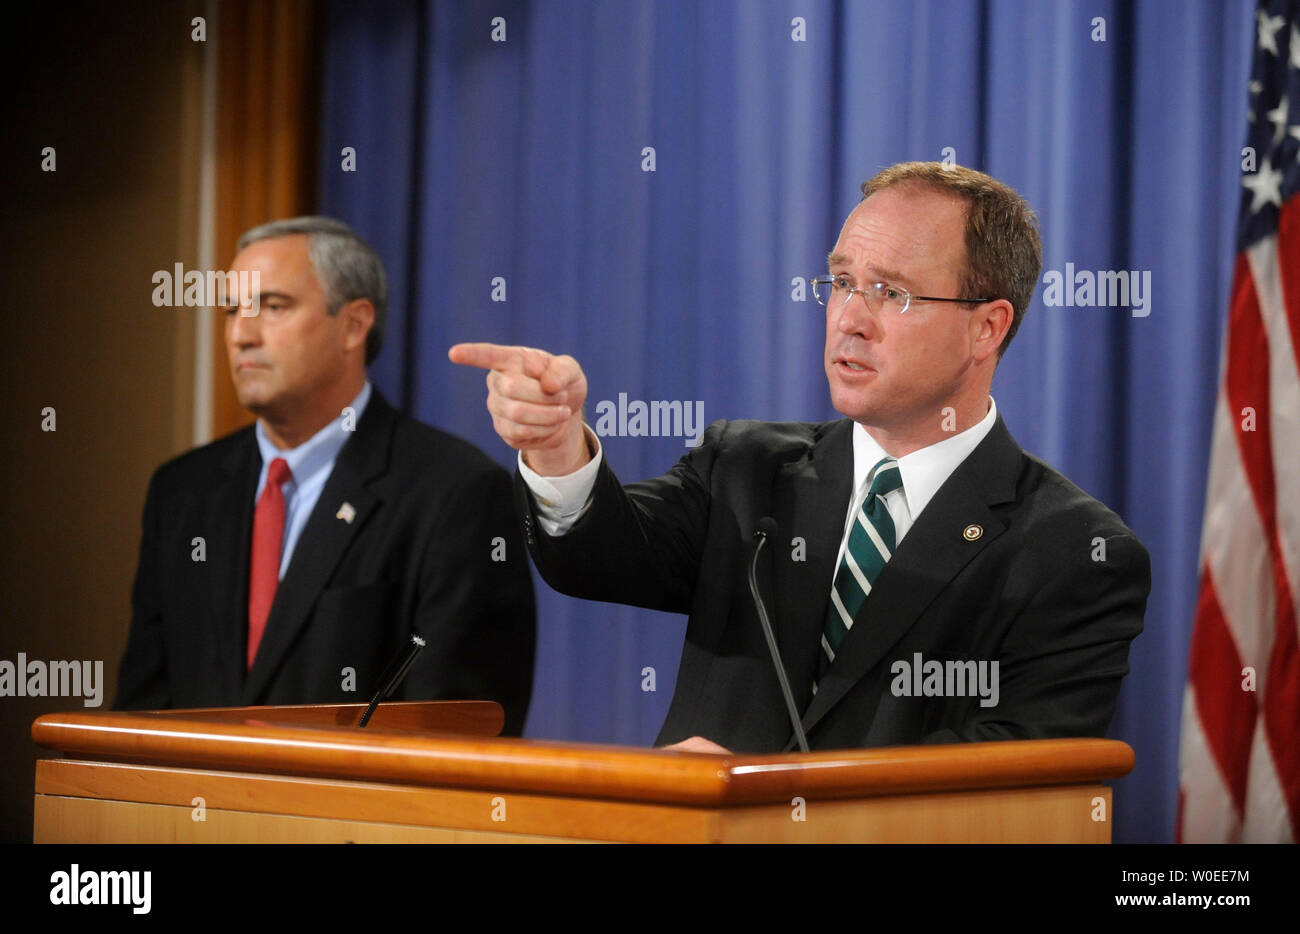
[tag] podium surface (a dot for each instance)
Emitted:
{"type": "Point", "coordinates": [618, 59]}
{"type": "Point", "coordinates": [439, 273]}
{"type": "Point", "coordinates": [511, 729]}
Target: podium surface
{"type": "Point", "coordinates": [436, 772]}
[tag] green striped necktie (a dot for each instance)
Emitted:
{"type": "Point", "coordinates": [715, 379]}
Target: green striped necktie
{"type": "Point", "coordinates": [871, 542]}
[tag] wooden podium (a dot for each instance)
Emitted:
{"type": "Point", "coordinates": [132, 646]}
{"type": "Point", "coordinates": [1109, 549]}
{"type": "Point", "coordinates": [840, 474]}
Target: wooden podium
{"type": "Point", "coordinates": [437, 772]}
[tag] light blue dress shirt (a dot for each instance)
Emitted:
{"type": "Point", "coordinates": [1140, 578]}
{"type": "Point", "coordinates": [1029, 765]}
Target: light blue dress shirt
{"type": "Point", "coordinates": [311, 464]}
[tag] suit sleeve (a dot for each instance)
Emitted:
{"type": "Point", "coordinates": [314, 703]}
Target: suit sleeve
{"type": "Point", "coordinates": [142, 682]}
{"type": "Point", "coordinates": [1064, 656]}
{"type": "Point", "coordinates": [475, 608]}
{"type": "Point", "coordinates": [640, 544]}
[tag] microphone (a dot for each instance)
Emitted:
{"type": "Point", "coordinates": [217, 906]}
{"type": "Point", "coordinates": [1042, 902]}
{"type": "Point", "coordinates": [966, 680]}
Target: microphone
{"type": "Point", "coordinates": [765, 529]}
{"type": "Point", "coordinates": [395, 674]}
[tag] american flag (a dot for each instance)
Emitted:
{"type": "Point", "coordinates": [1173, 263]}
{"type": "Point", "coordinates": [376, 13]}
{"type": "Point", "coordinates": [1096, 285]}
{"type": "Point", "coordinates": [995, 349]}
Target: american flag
{"type": "Point", "coordinates": [1239, 764]}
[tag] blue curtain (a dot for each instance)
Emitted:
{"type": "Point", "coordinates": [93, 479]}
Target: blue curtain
{"type": "Point", "coordinates": [521, 163]}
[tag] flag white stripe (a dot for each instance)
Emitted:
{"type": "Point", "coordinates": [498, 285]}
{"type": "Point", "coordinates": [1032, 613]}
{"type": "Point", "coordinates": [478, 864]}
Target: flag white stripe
{"type": "Point", "coordinates": [1234, 546]}
{"type": "Point", "coordinates": [1208, 813]}
{"type": "Point", "coordinates": [1265, 820]}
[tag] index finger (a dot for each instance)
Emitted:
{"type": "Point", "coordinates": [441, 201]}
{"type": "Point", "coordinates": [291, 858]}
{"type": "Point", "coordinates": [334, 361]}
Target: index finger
{"type": "Point", "coordinates": [488, 356]}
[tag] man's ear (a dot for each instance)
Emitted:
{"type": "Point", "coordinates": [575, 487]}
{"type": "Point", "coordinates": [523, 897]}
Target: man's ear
{"type": "Point", "coordinates": [358, 318]}
{"type": "Point", "coordinates": [989, 325]}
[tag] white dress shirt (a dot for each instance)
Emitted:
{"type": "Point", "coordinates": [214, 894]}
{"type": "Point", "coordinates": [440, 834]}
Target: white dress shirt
{"type": "Point", "coordinates": [561, 501]}
{"type": "Point", "coordinates": [923, 472]}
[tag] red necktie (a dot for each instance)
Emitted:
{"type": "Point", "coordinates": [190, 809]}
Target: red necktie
{"type": "Point", "coordinates": [264, 567]}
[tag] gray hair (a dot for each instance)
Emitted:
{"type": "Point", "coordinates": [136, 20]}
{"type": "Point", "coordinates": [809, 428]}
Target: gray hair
{"type": "Point", "coordinates": [347, 267]}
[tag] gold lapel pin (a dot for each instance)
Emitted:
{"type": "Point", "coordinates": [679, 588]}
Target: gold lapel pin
{"type": "Point", "coordinates": [346, 513]}
{"type": "Point", "coordinates": [972, 532]}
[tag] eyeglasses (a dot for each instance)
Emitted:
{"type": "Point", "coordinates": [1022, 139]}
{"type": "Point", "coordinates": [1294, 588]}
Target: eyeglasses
{"type": "Point", "coordinates": [834, 291]}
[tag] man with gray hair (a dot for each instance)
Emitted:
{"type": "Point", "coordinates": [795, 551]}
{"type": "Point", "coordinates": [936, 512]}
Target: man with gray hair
{"type": "Point", "coordinates": [290, 561]}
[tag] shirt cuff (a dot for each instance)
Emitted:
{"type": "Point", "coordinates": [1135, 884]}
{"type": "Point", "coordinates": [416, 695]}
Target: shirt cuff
{"type": "Point", "coordinates": [562, 501]}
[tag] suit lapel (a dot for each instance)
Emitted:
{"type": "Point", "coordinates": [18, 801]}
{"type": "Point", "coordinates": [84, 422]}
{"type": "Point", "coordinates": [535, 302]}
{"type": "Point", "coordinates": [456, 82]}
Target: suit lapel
{"type": "Point", "coordinates": [932, 553]}
{"type": "Point", "coordinates": [324, 539]}
{"type": "Point", "coordinates": [229, 525]}
{"type": "Point", "coordinates": [812, 496]}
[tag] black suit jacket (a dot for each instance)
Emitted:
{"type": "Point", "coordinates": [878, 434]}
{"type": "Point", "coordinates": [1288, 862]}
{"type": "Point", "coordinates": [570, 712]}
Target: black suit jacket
{"type": "Point", "coordinates": [1053, 588]}
{"type": "Point", "coordinates": [432, 516]}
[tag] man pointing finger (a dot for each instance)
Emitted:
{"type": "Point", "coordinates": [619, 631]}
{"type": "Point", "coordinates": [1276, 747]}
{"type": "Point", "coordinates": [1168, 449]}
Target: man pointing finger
{"type": "Point", "coordinates": [535, 399]}
{"type": "Point", "coordinates": [913, 535]}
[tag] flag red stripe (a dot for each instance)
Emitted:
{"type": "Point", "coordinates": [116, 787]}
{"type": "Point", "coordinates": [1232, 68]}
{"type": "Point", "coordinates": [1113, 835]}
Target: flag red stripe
{"type": "Point", "coordinates": [1245, 382]}
{"type": "Point", "coordinates": [1226, 712]}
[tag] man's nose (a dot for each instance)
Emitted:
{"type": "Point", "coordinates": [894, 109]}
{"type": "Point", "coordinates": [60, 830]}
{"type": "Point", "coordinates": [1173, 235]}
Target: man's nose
{"type": "Point", "coordinates": [243, 328]}
{"type": "Point", "coordinates": [856, 317]}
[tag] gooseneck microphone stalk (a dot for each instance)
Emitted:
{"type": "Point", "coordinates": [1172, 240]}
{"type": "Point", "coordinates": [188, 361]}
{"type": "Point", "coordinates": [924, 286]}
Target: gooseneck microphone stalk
{"type": "Point", "coordinates": [393, 677]}
{"type": "Point", "coordinates": [766, 528]}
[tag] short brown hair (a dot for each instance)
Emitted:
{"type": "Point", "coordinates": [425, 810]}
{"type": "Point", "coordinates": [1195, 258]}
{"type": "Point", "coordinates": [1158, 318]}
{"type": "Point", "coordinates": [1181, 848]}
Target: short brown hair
{"type": "Point", "coordinates": [1003, 251]}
